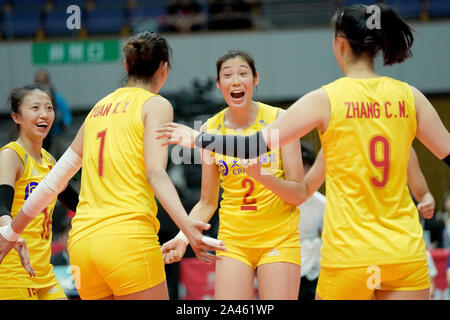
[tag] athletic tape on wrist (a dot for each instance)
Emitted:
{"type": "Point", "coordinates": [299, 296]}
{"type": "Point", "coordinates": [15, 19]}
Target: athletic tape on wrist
{"type": "Point", "coordinates": [181, 236]}
{"type": "Point", "coordinates": [8, 233]}
{"type": "Point", "coordinates": [53, 183]}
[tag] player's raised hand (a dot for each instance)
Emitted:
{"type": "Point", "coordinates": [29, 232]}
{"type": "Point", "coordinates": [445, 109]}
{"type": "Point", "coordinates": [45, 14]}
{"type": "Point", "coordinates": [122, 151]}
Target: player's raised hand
{"type": "Point", "coordinates": [175, 133]}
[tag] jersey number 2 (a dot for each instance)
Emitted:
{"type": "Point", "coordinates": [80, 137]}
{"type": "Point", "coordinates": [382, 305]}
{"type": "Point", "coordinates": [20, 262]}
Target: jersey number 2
{"type": "Point", "coordinates": [248, 204]}
{"type": "Point", "coordinates": [383, 163]}
{"type": "Point", "coordinates": [101, 135]}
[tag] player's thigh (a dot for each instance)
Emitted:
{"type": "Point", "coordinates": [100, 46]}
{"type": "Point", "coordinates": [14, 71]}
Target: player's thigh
{"type": "Point", "coordinates": [278, 281]}
{"type": "Point", "coordinates": [279, 273]}
{"type": "Point", "coordinates": [233, 279]}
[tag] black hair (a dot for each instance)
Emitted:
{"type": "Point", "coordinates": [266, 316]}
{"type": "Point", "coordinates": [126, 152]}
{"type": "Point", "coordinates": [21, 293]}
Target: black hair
{"type": "Point", "coordinates": [393, 36]}
{"type": "Point", "coordinates": [17, 95]}
{"type": "Point", "coordinates": [233, 54]}
{"type": "Point", "coordinates": [144, 53]}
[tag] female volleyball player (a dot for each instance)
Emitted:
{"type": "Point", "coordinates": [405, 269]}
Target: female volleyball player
{"type": "Point", "coordinates": [372, 238]}
{"type": "Point", "coordinates": [258, 216]}
{"type": "Point", "coordinates": [23, 164]}
{"type": "Point", "coordinates": [113, 245]}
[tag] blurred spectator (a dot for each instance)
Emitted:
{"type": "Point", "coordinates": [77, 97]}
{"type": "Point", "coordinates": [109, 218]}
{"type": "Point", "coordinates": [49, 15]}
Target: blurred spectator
{"type": "Point", "coordinates": [230, 14]}
{"type": "Point", "coordinates": [310, 228]}
{"type": "Point", "coordinates": [63, 114]}
{"type": "Point", "coordinates": [435, 227]}
{"type": "Point", "coordinates": [184, 16]}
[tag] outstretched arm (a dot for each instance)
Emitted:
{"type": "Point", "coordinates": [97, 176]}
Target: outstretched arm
{"type": "Point", "coordinates": [309, 112]}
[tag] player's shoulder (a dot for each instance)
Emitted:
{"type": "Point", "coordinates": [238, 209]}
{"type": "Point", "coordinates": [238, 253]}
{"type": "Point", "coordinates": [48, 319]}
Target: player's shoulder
{"type": "Point", "coordinates": [9, 153]}
{"type": "Point", "coordinates": [10, 159]}
{"type": "Point", "coordinates": [157, 104]}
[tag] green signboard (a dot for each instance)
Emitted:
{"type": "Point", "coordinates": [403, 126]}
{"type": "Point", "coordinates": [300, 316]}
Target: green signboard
{"type": "Point", "coordinates": [75, 52]}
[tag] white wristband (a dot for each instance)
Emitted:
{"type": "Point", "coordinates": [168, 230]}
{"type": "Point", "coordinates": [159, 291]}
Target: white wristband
{"type": "Point", "coordinates": [9, 234]}
{"type": "Point", "coordinates": [212, 241]}
{"type": "Point", "coordinates": [181, 236]}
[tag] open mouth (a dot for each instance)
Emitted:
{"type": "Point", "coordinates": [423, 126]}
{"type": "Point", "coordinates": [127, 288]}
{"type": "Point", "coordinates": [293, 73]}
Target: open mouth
{"type": "Point", "coordinates": [42, 125]}
{"type": "Point", "coordinates": [238, 95]}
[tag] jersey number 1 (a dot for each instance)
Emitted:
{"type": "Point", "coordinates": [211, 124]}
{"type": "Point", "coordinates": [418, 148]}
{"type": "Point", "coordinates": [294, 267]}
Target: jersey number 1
{"type": "Point", "coordinates": [101, 135]}
{"type": "Point", "coordinates": [383, 163]}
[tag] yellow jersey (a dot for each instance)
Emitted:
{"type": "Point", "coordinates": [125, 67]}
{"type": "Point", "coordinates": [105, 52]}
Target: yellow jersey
{"type": "Point", "coordinates": [114, 187]}
{"type": "Point", "coordinates": [370, 218]}
{"type": "Point", "coordinates": [251, 215]}
{"type": "Point", "coordinates": [38, 233]}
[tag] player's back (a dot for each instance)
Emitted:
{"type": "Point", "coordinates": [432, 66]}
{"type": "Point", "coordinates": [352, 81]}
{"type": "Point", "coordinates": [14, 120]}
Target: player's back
{"type": "Point", "coordinates": [114, 187]}
{"type": "Point", "coordinates": [370, 217]}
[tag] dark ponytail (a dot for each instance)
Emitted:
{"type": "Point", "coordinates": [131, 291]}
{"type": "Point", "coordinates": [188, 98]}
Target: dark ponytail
{"type": "Point", "coordinates": [393, 36]}
{"type": "Point", "coordinates": [144, 53]}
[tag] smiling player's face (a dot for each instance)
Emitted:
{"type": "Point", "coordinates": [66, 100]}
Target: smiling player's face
{"type": "Point", "coordinates": [36, 115]}
{"type": "Point", "coordinates": [236, 81]}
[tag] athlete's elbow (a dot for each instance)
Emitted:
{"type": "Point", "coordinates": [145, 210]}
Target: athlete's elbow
{"type": "Point", "coordinates": [296, 198]}
{"type": "Point", "coordinates": [154, 175]}
{"type": "Point", "coordinates": [301, 194]}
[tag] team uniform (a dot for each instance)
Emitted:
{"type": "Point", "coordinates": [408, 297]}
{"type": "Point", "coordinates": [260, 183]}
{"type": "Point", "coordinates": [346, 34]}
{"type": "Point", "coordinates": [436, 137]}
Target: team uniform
{"type": "Point", "coordinates": [372, 238]}
{"type": "Point", "coordinates": [15, 282]}
{"type": "Point", "coordinates": [256, 225]}
{"type": "Point", "coordinates": [113, 243]}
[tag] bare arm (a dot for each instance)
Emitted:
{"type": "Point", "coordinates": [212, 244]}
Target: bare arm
{"type": "Point", "coordinates": [156, 112]}
{"type": "Point", "coordinates": [430, 129]}
{"type": "Point", "coordinates": [316, 174]}
{"type": "Point", "coordinates": [307, 113]}
{"type": "Point", "coordinates": [209, 196]}
{"type": "Point", "coordinates": [11, 168]}
{"type": "Point", "coordinates": [419, 187]}
{"type": "Point", "coordinates": [174, 249]}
